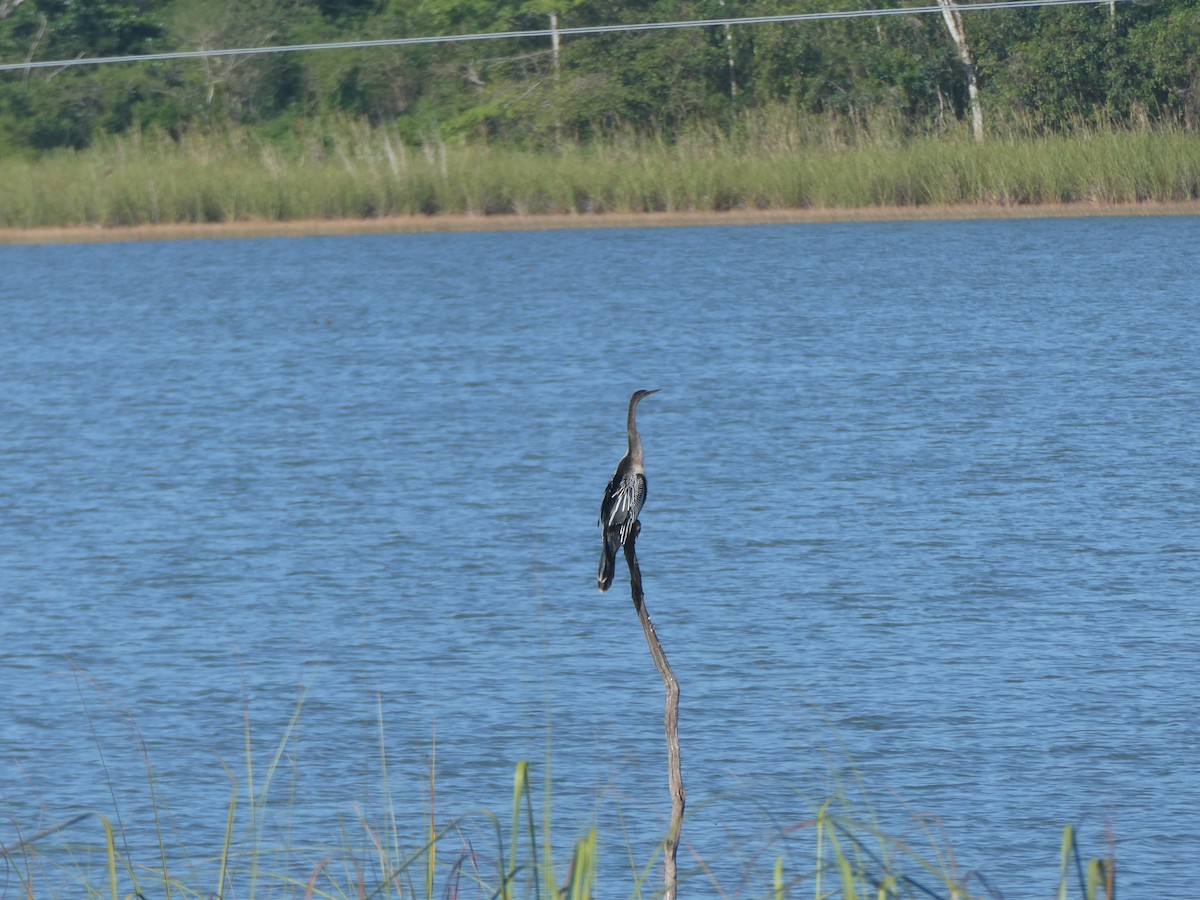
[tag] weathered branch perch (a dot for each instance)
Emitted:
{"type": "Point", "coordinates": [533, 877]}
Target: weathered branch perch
{"type": "Point", "coordinates": [671, 719]}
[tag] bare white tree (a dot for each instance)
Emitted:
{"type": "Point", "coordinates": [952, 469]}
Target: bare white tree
{"type": "Point", "coordinates": [954, 23]}
{"type": "Point", "coordinates": [729, 56]}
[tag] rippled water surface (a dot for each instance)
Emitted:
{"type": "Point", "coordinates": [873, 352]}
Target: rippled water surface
{"type": "Point", "coordinates": [922, 529]}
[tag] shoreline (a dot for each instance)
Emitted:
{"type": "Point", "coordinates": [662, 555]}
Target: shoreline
{"type": "Point", "coordinates": [261, 228]}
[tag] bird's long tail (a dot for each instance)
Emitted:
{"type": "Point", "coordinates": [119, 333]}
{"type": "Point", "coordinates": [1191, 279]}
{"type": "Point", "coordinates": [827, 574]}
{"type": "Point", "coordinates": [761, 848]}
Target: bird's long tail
{"type": "Point", "coordinates": [608, 565]}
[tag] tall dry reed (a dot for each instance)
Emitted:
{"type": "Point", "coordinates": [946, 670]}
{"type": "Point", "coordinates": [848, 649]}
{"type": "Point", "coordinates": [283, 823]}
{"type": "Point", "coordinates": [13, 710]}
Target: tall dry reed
{"type": "Point", "coordinates": [341, 168]}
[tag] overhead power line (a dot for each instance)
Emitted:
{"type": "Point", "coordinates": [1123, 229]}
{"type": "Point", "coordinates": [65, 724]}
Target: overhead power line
{"type": "Point", "coordinates": [542, 33]}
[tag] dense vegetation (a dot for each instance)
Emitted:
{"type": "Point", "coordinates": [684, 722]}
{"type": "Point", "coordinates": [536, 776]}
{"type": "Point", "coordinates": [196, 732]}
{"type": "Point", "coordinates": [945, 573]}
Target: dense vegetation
{"type": "Point", "coordinates": [1042, 71]}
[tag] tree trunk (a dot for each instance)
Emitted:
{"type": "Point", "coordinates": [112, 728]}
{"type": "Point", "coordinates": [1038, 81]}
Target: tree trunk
{"type": "Point", "coordinates": [729, 56]}
{"type": "Point", "coordinates": [554, 42]}
{"type": "Point", "coordinates": [954, 23]}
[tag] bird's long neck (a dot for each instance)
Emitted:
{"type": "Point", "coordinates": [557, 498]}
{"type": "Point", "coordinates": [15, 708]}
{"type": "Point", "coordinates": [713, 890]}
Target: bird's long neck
{"type": "Point", "coordinates": [634, 455]}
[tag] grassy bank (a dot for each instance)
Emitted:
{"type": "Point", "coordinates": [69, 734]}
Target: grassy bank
{"type": "Point", "coordinates": [346, 170]}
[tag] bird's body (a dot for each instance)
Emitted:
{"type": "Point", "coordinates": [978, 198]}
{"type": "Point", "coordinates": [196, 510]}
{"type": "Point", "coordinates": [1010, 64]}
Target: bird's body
{"type": "Point", "coordinates": [623, 498]}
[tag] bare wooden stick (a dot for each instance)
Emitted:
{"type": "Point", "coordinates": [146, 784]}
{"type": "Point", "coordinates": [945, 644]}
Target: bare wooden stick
{"type": "Point", "coordinates": [671, 719]}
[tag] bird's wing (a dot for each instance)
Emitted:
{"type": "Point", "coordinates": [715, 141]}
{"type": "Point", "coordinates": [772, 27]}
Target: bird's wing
{"type": "Point", "coordinates": [624, 500]}
{"type": "Point", "coordinates": [632, 496]}
{"type": "Point", "coordinates": [606, 505]}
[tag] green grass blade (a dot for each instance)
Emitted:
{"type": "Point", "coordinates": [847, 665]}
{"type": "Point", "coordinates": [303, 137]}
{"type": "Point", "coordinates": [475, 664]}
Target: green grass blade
{"type": "Point", "coordinates": [820, 866]}
{"type": "Point", "coordinates": [582, 875]}
{"type": "Point", "coordinates": [391, 839]}
{"type": "Point", "coordinates": [547, 853]}
{"type": "Point", "coordinates": [249, 751]}
{"type": "Point", "coordinates": [1068, 840]}
{"type": "Point", "coordinates": [845, 867]}
{"type": "Point", "coordinates": [520, 788]}
{"type": "Point", "coordinates": [533, 843]}
{"type": "Point", "coordinates": [224, 864]}
{"type": "Point", "coordinates": [111, 852]}
{"type": "Point", "coordinates": [431, 845]}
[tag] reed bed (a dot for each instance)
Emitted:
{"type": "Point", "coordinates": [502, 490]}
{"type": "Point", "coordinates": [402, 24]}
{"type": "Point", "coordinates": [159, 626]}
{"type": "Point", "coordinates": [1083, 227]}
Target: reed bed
{"type": "Point", "coordinates": [835, 852]}
{"type": "Point", "coordinates": [834, 849]}
{"type": "Point", "coordinates": [344, 169]}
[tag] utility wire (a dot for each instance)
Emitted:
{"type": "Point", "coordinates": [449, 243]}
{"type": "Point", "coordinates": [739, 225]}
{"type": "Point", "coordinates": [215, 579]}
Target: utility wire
{"type": "Point", "coordinates": [543, 33]}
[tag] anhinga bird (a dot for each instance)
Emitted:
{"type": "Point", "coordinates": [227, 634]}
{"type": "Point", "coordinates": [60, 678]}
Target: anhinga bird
{"type": "Point", "coordinates": [623, 498]}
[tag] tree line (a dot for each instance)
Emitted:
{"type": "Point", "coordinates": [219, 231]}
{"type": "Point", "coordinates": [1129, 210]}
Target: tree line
{"type": "Point", "coordinates": [1045, 70]}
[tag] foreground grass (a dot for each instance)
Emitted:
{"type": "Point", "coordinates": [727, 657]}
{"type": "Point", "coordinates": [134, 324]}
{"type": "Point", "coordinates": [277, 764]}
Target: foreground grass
{"type": "Point", "coordinates": [832, 854]}
{"type": "Point", "coordinates": [341, 170]}
{"type": "Point", "coordinates": [837, 851]}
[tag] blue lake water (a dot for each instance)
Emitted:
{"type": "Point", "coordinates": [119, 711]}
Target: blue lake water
{"type": "Point", "coordinates": [923, 530]}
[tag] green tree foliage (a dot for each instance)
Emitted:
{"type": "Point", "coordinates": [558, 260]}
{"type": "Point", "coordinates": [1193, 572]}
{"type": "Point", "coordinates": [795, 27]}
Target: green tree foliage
{"type": "Point", "coordinates": [1164, 54]}
{"type": "Point", "coordinates": [1063, 68]}
{"type": "Point", "coordinates": [250, 88]}
{"type": "Point", "coordinates": [96, 27]}
{"type": "Point", "coordinates": [66, 108]}
{"type": "Point", "coordinates": [854, 67]}
{"type": "Point", "coordinates": [1053, 69]}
